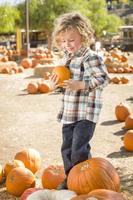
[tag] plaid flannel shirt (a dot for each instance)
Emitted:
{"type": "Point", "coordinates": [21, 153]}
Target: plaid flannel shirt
{"type": "Point", "coordinates": [87, 66]}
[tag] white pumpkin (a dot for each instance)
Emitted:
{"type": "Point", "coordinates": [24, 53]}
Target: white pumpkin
{"type": "Point", "coordinates": [47, 194]}
{"type": "Point", "coordinates": [40, 195]}
{"type": "Point", "coordinates": [62, 194]}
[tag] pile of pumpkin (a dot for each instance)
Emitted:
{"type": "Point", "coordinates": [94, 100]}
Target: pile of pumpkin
{"type": "Point", "coordinates": [43, 85]}
{"type": "Point", "coordinates": [95, 177]}
{"type": "Point", "coordinates": [124, 114]}
{"type": "Point", "coordinates": [117, 62]}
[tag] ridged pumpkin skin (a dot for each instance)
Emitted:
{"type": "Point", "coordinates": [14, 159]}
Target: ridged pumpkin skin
{"type": "Point", "coordinates": [62, 72]}
{"type": "Point", "coordinates": [122, 111]}
{"type": "Point", "coordinates": [31, 159]}
{"type": "Point", "coordinates": [129, 122]}
{"type": "Point", "coordinates": [100, 194]}
{"type": "Point", "coordinates": [12, 164]}
{"type": "Point", "coordinates": [94, 173]}
{"type": "Point", "coordinates": [52, 176]}
{"type": "Point", "coordinates": [128, 140]}
{"type": "Point", "coordinates": [18, 180]}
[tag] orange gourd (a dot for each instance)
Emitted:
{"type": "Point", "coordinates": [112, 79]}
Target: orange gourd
{"type": "Point", "coordinates": [43, 87]}
{"type": "Point", "coordinates": [124, 80]}
{"type": "Point", "coordinates": [12, 164]}
{"type": "Point", "coordinates": [26, 63]}
{"type": "Point", "coordinates": [62, 72]}
{"type": "Point", "coordinates": [18, 180]}
{"type": "Point", "coordinates": [122, 111]}
{"type": "Point", "coordinates": [100, 194]}
{"type": "Point", "coordinates": [52, 176]}
{"type": "Point", "coordinates": [94, 173]}
{"type": "Point", "coordinates": [129, 122]}
{"type": "Point", "coordinates": [128, 140]}
{"type": "Point", "coordinates": [31, 159]}
{"type": "Point", "coordinates": [32, 88]}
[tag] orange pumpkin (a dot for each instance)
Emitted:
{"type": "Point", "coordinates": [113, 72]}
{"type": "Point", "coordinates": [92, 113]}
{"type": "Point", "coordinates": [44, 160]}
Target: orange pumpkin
{"type": "Point", "coordinates": [1, 173]}
{"type": "Point", "coordinates": [43, 87]}
{"type": "Point", "coordinates": [18, 180]}
{"type": "Point", "coordinates": [122, 111]}
{"type": "Point", "coordinates": [20, 69]}
{"type": "Point", "coordinates": [52, 176]}
{"type": "Point", "coordinates": [32, 88]}
{"type": "Point", "coordinates": [128, 140]}
{"type": "Point", "coordinates": [26, 63]}
{"type": "Point", "coordinates": [62, 72]}
{"type": "Point", "coordinates": [5, 70]}
{"type": "Point", "coordinates": [129, 122]}
{"type": "Point", "coordinates": [94, 173]}
{"type": "Point", "coordinates": [12, 164]}
{"type": "Point", "coordinates": [124, 80]}
{"type": "Point", "coordinates": [30, 157]}
{"type": "Point", "coordinates": [115, 80]}
{"type": "Point", "coordinates": [100, 194]}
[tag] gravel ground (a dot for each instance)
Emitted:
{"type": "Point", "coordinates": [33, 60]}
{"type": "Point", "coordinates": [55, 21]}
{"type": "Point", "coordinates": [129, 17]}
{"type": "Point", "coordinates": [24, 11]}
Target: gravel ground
{"type": "Point", "coordinates": [30, 121]}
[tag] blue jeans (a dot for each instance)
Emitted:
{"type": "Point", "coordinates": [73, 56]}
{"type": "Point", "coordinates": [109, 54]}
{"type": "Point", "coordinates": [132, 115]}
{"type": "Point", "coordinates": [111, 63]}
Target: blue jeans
{"type": "Point", "coordinates": [75, 146]}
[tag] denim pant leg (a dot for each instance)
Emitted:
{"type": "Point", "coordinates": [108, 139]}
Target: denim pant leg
{"type": "Point", "coordinates": [67, 137]}
{"type": "Point", "coordinates": [82, 134]}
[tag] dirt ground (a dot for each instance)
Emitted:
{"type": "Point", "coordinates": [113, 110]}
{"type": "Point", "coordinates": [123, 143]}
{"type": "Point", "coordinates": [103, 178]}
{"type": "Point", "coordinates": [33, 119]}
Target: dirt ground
{"type": "Point", "coordinates": [30, 121]}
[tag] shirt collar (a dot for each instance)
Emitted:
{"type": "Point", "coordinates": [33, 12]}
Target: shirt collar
{"type": "Point", "coordinates": [78, 53]}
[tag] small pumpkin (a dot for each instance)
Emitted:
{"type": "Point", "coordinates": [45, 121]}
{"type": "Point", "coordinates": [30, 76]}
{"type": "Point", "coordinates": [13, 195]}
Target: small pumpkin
{"type": "Point", "coordinates": [12, 164]}
{"type": "Point", "coordinates": [94, 173]}
{"type": "Point", "coordinates": [26, 63]}
{"type": "Point", "coordinates": [124, 80]}
{"type": "Point", "coordinates": [128, 140]}
{"type": "Point", "coordinates": [62, 72]}
{"type": "Point", "coordinates": [100, 194]}
{"type": "Point", "coordinates": [30, 157]}
{"type": "Point", "coordinates": [32, 88]}
{"type": "Point", "coordinates": [52, 176]}
{"type": "Point", "coordinates": [43, 87]}
{"type": "Point", "coordinates": [122, 111]}
{"type": "Point", "coordinates": [18, 180]}
{"type": "Point", "coordinates": [129, 122]}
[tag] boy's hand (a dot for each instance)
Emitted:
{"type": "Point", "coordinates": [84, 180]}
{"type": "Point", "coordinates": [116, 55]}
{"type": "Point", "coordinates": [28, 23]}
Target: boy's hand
{"type": "Point", "coordinates": [74, 85]}
{"type": "Point", "coordinates": [53, 82]}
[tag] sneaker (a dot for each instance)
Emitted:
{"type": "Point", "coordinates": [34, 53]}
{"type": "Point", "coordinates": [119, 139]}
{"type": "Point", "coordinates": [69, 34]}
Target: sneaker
{"type": "Point", "coordinates": [63, 185]}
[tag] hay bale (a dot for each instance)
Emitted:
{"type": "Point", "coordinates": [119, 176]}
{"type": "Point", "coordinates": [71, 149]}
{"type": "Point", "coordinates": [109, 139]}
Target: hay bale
{"type": "Point", "coordinates": [40, 70]}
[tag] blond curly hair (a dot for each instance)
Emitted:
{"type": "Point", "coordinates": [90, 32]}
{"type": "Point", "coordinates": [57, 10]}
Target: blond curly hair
{"type": "Point", "coordinates": [69, 21]}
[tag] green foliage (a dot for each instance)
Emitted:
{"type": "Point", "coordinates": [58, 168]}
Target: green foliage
{"type": "Point", "coordinates": [9, 17]}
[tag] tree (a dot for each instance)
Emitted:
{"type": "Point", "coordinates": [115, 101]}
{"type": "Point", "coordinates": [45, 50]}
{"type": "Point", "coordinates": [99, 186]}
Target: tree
{"type": "Point", "coordinates": [42, 14]}
{"type": "Point", "coordinates": [9, 17]}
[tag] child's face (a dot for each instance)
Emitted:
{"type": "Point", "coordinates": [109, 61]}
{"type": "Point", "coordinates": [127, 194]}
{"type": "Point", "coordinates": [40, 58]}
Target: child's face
{"type": "Point", "coordinates": [71, 40]}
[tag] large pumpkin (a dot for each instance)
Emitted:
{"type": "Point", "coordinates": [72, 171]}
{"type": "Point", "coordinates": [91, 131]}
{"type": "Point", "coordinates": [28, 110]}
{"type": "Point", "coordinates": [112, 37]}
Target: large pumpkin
{"type": "Point", "coordinates": [31, 159]}
{"type": "Point", "coordinates": [62, 72]}
{"type": "Point", "coordinates": [128, 140]}
{"type": "Point", "coordinates": [129, 122]}
{"type": "Point", "coordinates": [122, 111]}
{"type": "Point", "coordinates": [52, 176]}
{"type": "Point", "coordinates": [18, 180]}
{"type": "Point", "coordinates": [1, 173]}
{"type": "Point", "coordinates": [12, 164]}
{"type": "Point", "coordinates": [100, 194]}
{"type": "Point", "coordinates": [94, 173]}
